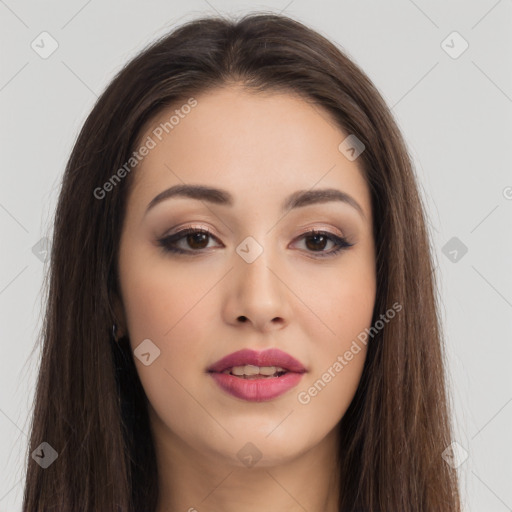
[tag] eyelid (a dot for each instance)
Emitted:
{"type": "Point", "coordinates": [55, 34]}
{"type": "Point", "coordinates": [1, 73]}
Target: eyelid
{"type": "Point", "coordinates": [341, 243]}
{"type": "Point", "coordinates": [180, 233]}
{"type": "Point", "coordinates": [303, 231]}
{"type": "Point", "coordinates": [325, 229]}
{"type": "Point", "coordinates": [186, 227]}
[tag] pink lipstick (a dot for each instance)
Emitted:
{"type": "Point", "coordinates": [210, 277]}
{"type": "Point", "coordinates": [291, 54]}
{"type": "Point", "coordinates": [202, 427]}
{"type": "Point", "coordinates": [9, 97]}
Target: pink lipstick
{"type": "Point", "coordinates": [257, 376]}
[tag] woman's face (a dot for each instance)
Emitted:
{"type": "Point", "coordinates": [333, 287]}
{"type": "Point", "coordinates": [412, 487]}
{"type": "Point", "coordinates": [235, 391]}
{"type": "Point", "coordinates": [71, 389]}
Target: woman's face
{"type": "Point", "coordinates": [259, 280]}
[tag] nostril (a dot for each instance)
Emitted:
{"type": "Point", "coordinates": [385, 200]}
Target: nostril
{"type": "Point", "coordinates": [242, 318]}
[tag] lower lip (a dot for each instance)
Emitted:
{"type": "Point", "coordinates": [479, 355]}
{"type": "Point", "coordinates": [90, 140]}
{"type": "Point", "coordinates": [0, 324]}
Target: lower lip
{"type": "Point", "coordinates": [257, 390]}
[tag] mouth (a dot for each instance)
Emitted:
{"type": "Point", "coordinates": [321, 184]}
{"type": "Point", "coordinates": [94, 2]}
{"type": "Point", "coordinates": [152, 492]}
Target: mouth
{"type": "Point", "coordinates": [250, 363]}
{"type": "Point", "coordinates": [257, 376]}
{"type": "Point", "coordinates": [252, 372]}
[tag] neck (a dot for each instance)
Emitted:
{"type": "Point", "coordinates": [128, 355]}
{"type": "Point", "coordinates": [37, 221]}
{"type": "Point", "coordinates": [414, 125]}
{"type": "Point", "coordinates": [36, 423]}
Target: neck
{"type": "Point", "coordinates": [192, 480]}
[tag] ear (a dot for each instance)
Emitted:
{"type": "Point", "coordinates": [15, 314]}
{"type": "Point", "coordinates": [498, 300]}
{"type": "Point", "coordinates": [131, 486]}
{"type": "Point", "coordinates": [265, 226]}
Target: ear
{"type": "Point", "coordinates": [119, 315]}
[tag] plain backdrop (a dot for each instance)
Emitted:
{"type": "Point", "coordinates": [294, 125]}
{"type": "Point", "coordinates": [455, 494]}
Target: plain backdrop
{"type": "Point", "coordinates": [451, 94]}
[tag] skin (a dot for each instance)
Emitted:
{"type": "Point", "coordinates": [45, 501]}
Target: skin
{"type": "Point", "coordinates": [260, 148]}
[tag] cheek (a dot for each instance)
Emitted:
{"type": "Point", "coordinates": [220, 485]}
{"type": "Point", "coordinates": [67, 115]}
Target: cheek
{"type": "Point", "coordinates": [339, 301]}
{"type": "Point", "coordinates": [170, 307]}
{"type": "Point", "coordinates": [339, 356]}
{"type": "Point", "coordinates": [327, 394]}
{"type": "Point", "coordinates": [343, 303]}
{"type": "Point", "coordinates": [176, 308]}
{"type": "Point", "coordinates": [165, 305]}
{"type": "Point", "coordinates": [159, 297]}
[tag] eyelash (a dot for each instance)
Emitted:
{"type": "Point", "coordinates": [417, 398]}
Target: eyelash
{"type": "Point", "coordinates": [166, 242]}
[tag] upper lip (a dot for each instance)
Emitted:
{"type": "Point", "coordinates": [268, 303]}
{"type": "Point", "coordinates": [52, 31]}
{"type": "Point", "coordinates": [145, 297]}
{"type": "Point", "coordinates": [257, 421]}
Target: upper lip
{"type": "Point", "coordinates": [269, 357]}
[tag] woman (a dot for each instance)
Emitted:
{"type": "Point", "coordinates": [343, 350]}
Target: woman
{"type": "Point", "coordinates": [241, 309]}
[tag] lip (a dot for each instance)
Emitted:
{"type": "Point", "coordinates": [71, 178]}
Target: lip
{"type": "Point", "coordinates": [269, 357]}
{"type": "Point", "coordinates": [259, 389]}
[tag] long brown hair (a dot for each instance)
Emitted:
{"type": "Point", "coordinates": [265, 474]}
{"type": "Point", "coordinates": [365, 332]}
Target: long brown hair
{"type": "Point", "coordinates": [89, 402]}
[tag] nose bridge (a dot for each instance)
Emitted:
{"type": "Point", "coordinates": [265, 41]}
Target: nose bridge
{"type": "Point", "coordinates": [255, 275]}
{"type": "Point", "coordinates": [258, 293]}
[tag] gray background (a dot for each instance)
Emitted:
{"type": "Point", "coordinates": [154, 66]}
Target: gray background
{"type": "Point", "coordinates": [455, 113]}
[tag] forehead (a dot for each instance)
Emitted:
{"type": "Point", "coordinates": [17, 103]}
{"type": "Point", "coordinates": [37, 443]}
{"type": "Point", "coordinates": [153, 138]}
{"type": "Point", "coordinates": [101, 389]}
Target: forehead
{"type": "Point", "coordinates": [254, 144]}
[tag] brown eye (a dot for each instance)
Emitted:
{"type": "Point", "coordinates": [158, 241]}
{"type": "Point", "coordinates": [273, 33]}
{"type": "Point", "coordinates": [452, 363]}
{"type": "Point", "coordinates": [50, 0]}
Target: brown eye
{"type": "Point", "coordinates": [197, 240]}
{"type": "Point", "coordinates": [316, 241]}
{"type": "Point", "coordinates": [191, 240]}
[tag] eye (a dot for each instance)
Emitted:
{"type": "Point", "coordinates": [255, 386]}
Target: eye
{"type": "Point", "coordinates": [316, 242]}
{"type": "Point", "coordinates": [196, 239]}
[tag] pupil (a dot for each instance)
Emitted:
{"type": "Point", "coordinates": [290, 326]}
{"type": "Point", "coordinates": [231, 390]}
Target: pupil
{"type": "Point", "coordinates": [197, 237]}
{"type": "Point", "coordinates": [316, 237]}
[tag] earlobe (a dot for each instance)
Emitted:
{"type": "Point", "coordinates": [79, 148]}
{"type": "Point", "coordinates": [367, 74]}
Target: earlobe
{"type": "Point", "coordinates": [118, 319]}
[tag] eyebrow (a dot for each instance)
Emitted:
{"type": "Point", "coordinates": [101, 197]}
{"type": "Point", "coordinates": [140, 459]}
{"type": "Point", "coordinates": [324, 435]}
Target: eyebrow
{"type": "Point", "coordinates": [298, 199]}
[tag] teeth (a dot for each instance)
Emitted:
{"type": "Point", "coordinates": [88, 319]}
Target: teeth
{"type": "Point", "coordinates": [251, 370]}
{"type": "Point", "coordinates": [248, 369]}
{"type": "Point", "coordinates": [269, 370]}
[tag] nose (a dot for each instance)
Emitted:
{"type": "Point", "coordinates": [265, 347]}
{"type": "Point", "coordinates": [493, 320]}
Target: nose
{"type": "Point", "coordinates": [256, 296]}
